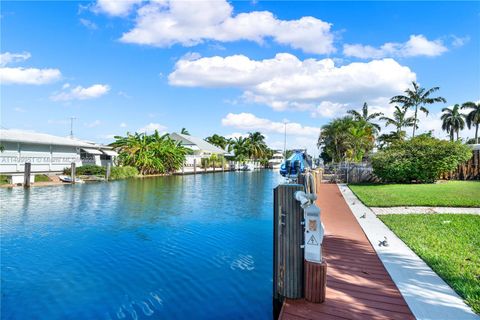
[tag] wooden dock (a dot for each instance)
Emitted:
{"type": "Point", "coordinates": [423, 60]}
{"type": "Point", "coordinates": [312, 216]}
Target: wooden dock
{"type": "Point", "coordinates": [358, 286]}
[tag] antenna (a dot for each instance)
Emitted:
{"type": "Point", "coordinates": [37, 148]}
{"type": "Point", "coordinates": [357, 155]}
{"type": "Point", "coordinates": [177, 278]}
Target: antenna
{"type": "Point", "coordinates": [285, 140]}
{"type": "Point", "coordinates": [71, 126]}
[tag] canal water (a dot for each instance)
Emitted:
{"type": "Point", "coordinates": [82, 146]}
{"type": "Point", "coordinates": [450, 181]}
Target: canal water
{"type": "Point", "coordinates": [178, 247]}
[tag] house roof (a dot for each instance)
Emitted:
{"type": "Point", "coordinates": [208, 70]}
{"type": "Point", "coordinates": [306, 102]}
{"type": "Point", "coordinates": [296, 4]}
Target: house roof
{"type": "Point", "coordinates": [13, 135]}
{"type": "Point", "coordinates": [195, 143]}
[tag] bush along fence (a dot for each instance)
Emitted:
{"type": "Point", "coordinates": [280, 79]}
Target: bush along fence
{"type": "Point", "coordinates": [469, 170]}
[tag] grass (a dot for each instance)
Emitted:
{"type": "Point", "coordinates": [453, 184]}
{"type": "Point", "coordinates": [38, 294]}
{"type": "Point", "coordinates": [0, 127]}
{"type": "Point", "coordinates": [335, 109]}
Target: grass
{"type": "Point", "coordinates": [443, 194]}
{"type": "Point", "coordinates": [449, 244]}
{"type": "Point", "coordinates": [3, 179]}
{"type": "Point", "coordinates": [41, 178]}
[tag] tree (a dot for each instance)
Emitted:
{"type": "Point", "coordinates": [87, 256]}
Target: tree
{"type": "Point", "coordinates": [365, 116]}
{"type": "Point", "coordinates": [473, 117]}
{"type": "Point", "coordinates": [150, 154]}
{"type": "Point", "coordinates": [185, 132]}
{"type": "Point", "coordinates": [219, 141]}
{"type": "Point", "coordinates": [452, 121]}
{"type": "Point", "coordinates": [417, 99]}
{"type": "Point", "coordinates": [399, 120]}
{"type": "Point", "coordinates": [257, 146]}
{"type": "Point", "coordinates": [346, 139]}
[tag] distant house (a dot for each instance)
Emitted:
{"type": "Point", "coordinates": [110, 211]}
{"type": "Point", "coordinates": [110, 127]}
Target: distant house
{"type": "Point", "coordinates": [200, 148]}
{"type": "Point", "coordinates": [47, 153]}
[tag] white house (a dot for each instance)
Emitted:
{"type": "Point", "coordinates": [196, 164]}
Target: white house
{"type": "Point", "coordinates": [47, 153]}
{"type": "Point", "coordinates": [201, 148]}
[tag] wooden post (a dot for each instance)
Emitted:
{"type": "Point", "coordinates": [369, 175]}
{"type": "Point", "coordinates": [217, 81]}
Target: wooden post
{"type": "Point", "coordinates": [223, 164]}
{"type": "Point", "coordinates": [73, 172]}
{"type": "Point", "coordinates": [194, 166]}
{"type": "Point", "coordinates": [26, 175]}
{"type": "Point", "coordinates": [108, 171]}
{"type": "Point", "coordinates": [213, 165]}
{"type": "Point", "coordinates": [315, 281]}
{"type": "Point", "coordinates": [288, 255]}
{"type": "Point", "coordinates": [183, 168]}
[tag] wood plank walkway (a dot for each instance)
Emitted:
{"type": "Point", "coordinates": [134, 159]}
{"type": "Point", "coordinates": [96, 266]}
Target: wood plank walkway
{"type": "Point", "coordinates": [358, 286]}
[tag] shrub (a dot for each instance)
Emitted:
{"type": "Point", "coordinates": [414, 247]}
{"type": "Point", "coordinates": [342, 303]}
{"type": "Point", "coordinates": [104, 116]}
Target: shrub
{"type": "Point", "coordinates": [87, 170]}
{"type": "Point", "coordinates": [123, 172]}
{"type": "Point", "coordinates": [3, 179]}
{"type": "Point", "coordinates": [421, 159]}
{"type": "Point", "coordinates": [41, 178]}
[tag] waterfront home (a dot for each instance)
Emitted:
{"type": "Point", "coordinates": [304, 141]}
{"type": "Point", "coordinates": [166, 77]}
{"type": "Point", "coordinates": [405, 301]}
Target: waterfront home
{"type": "Point", "coordinates": [200, 148]}
{"type": "Point", "coordinates": [47, 153]}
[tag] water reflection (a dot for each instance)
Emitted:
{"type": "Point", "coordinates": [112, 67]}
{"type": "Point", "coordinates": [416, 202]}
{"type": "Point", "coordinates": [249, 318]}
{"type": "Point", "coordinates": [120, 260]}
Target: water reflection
{"type": "Point", "coordinates": [140, 248]}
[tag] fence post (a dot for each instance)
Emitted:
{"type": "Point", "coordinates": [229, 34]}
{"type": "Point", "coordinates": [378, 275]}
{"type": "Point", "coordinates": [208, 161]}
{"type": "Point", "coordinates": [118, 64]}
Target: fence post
{"type": "Point", "coordinates": [73, 172]}
{"type": "Point", "coordinates": [194, 166]}
{"type": "Point", "coordinates": [26, 175]}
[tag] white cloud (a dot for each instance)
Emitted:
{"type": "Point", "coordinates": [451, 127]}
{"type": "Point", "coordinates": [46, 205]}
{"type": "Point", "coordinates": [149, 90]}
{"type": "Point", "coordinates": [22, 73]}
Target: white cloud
{"type": "Point", "coordinates": [165, 23]}
{"type": "Point", "coordinates": [250, 122]}
{"type": "Point", "coordinates": [115, 7]}
{"type": "Point", "coordinates": [8, 57]}
{"type": "Point", "coordinates": [81, 93]}
{"type": "Point", "coordinates": [18, 109]}
{"type": "Point", "coordinates": [459, 41]}
{"type": "Point", "coordinates": [20, 75]}
{"type": "Point", "coordinates": [417, 45]}
{"type": "Point", "coordinates": [123, 125]}
{"type": "Point", "coordinates": [287, 83]}
{"type": "Point", "coordinates": [151, 127]}
{"type": "Point", "coordinates": [88, 24]}
{"type": "Point", "coordinates": [93, 124]}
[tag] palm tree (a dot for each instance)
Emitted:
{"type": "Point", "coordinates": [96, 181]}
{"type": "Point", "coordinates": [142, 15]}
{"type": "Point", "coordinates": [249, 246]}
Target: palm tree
{"type": "Point", "coordinates": [417, 98]}
{"type": "Point", "coordinates": [257, 145]}
{"type": "Point", "coordinates": [399, 119]}
{"type": "Point", "coordinates": [219, 141]}
{"type": "Point", "coordinates": [473, 117]}
{"type": "Point", "coordinates": [453, 121]}
{"type": "Point", "coordinates": [365, 116]}
{"type": "Point", "coordinates": [240, 147]}
{"type": "Point", "coordinates": [185, 132]}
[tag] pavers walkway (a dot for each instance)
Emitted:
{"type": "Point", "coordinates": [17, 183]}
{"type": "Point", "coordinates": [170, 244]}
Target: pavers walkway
{"type": "Point", "coordinates": [358, 286]}
{"type": "Point", "coordinates": [426, 210]}
{"type": "Point", "coordinates": [427, 295]}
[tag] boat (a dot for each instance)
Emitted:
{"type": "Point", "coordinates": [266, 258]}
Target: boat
{"type": "Point", "coordinates": [247, 167]}
{"type": "Point", "coordinates": [68, 179]}
{"type": "Point", "coordinates": [276, 161]}
{"type": "Point", "coordinates": [295, 164]}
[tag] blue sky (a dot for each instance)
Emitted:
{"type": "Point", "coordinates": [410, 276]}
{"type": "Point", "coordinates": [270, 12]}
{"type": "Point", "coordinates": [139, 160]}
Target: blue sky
{"type": "Point", "coordinates": [228, 67]}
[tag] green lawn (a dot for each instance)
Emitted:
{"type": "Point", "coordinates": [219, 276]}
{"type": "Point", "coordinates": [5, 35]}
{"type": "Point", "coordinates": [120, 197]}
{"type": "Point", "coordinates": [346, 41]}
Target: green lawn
{"type": "Point", "coordinates": [444, 194]}
{"type": "Point", "coordinates": [449, 244]}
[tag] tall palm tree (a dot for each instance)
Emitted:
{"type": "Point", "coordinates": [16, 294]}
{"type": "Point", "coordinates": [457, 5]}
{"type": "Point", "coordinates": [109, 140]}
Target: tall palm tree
{"type": "Point", "coordinates": [365, 116]}
{"type": "Point", "coordinates": [453, 120]}
{"type": "Point", "coordinates": [185, 132]}
{"type": "Point", "coordinates": [473, 117]}
{"type": "Point", "coordinates": [399, 120]}
{"type": "Point", "coordinates": [417, 99]}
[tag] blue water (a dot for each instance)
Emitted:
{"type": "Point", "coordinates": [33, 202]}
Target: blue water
{"type": "Point", "coordinates": [191, 247]}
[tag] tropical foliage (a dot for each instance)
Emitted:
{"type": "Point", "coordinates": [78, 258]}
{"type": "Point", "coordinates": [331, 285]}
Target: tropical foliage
{"type": "Point", "coordinates": [420, 159]}
{"type": "Point", "coordinates": [150, 154]}
{"type": "Point", "coordinates": [346, 139]}
{"type": "Point", "coordinates": [473, 117]}
{"type": "Point", "coordinates": [452, 121]}
{"type": "Point", "coordinates": [124, 172]}
{"type": "Point", "coordinates": [251, 147]}
{"type": "Point", "coordinates": [365, 116]}
{"type": "Point", "coordinates": [418, 99]}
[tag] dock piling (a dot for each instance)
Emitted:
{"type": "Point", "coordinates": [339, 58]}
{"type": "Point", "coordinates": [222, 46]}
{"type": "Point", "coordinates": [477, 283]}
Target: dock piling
{"type": "Point", "coordinates": [108, 171]}
{"type": "Point", "coordinates": [288, 255]}
{"type": "Point", "coordinates": [73, 172]}
{"type": "Point", "coordinates": [26, 175]}
{"type": "Point", "coordinates": [194, 166]}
